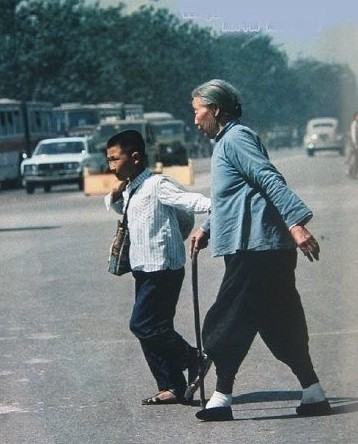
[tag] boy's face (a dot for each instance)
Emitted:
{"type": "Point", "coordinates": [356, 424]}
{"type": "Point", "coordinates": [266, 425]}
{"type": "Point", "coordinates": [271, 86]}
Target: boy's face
{"type": "Point", "coordinates": [123, 165]}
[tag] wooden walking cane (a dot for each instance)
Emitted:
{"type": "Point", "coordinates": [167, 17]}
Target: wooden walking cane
{"type": "Point", "coordinates": [194, 263]}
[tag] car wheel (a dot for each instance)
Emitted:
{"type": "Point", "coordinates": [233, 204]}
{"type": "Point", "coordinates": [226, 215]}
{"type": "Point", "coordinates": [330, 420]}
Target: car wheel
{"type": "Point", "coordinates": [47, 188]}
{"type": "Point", "coordinates": [341, 151]}
{"type": "Point", "coordinates": [81, 184]}
{"type": "Point", "coordinates": [30, 188]}
{"type": "Point", "coordinates": [310, 153]}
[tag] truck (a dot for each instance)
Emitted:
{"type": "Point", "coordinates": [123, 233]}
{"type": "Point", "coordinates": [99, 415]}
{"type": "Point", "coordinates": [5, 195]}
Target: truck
{"type": "Point", "coordinates": [164, 137]}
{"type": "Point", "coordinates": [110, 126]}
{"type": "Point", "coordinates": [169, 136]}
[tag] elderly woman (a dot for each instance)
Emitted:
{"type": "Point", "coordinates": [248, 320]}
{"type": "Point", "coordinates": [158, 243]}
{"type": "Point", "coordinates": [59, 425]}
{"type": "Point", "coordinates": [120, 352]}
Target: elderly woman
{"type": "Point", "coordinates": [256, 223]}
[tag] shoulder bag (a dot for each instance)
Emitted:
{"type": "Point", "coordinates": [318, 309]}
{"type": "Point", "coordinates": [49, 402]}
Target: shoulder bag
{"type": "Point", "coordinates": [118, 261]}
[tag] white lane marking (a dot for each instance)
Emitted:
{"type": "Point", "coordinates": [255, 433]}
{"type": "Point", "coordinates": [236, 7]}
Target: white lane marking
{"type": "Point", "coordinates": [335, 333]}
{"type": "Point", "coordinates": [6, 373]}
{"type": "Point", "coordinates": [4, 409]}
{"type": "Point", "coordinates": [42, 336]}
{"type": "Point", "coordinates": [36, 361]}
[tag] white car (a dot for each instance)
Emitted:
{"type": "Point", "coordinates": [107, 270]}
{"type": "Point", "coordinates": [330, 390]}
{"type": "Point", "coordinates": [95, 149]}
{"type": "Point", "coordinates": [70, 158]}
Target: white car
{"type": "Point", "coordinates": [56, 161]}
{"type": "Point", "coordinates": [323, 135]}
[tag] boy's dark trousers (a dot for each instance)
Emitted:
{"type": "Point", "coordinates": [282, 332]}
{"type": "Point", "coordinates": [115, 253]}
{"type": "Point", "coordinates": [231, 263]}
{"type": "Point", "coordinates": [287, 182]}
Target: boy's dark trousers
{"type": "Point", "coordinates": [152, 322]}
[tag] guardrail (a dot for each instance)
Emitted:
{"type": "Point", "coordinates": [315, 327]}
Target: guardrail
{"type": "Point", "coordinates": [103, 183]}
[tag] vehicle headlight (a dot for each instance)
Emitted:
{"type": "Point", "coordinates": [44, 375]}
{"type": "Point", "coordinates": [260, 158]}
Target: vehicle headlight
{"type": "Point", "coordinates": [30, 169]}
{"type": "Point", "coordinates": [314, 137]}
{"type": "Point", "coordinates": [72, 165]}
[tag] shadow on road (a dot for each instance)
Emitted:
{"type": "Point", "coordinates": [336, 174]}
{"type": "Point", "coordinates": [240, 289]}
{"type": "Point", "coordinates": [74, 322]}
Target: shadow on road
{"type": "Point", "coordinates": [39, 227]}
{"type": "Point", "coordinates": [267, 397]}
{"type": "Point", "coordinates": [340, 405]}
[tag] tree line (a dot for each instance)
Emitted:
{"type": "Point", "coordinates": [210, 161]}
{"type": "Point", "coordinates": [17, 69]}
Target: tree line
{"type": "Point", "coordinates": [68, 51]}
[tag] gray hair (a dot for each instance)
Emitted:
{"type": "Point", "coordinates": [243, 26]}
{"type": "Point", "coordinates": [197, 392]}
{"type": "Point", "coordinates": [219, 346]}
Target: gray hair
{"type": "Point", "coordinates": [221, 94]}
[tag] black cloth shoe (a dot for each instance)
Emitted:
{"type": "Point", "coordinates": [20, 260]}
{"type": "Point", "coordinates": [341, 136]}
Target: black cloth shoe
{"type": "Point", "coordinates": [215, 414]}
{"type": "Point", "coordinates": [321, 408]}
{"type": "Point", "coordinates": [193, 377]}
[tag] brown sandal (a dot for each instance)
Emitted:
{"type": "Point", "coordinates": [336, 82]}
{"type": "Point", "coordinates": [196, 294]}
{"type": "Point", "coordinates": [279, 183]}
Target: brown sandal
{"type": "Point", "coordinates": [158, 399]}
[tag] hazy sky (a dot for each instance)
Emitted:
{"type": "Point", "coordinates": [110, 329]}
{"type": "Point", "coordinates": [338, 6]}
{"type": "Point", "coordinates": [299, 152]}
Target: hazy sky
{"type": "Point", "coordinates": [304, 28]}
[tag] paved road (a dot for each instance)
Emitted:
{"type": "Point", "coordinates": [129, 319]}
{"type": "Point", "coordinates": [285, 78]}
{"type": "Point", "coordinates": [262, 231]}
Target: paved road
{"type": "Point", "coordinates": [71, 372]}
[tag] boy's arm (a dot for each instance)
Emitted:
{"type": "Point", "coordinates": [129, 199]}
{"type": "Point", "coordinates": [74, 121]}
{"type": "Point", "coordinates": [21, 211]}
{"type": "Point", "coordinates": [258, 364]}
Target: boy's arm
{"type": "Point", "coordinates": [175, 195]}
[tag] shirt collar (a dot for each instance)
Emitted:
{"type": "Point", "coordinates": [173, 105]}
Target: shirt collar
{"type": "Point", "coordinates": [138, 180]}
{"type": "Point", "coordinates": [226, 128]}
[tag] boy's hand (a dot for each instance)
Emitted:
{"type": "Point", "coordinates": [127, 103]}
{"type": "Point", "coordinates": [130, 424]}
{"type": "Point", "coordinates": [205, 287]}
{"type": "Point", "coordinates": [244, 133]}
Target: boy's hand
{"type": "Point", "coordinates": [118, 190]}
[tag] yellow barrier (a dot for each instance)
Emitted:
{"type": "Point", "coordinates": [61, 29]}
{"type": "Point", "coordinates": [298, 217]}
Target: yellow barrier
{"type": "Point", "coordinates": [97, 184]}
{"type": "Point", "coordinates": [183, 174]}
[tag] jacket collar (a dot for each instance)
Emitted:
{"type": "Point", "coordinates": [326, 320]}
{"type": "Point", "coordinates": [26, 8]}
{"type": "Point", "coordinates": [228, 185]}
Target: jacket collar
{"type": "Point", "coordinates": [226, 128]}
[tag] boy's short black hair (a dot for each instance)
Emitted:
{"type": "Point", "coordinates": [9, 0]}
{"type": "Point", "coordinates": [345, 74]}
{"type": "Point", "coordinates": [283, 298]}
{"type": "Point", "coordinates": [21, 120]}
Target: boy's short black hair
{"type": "Point", "coordinates": [130, 141]}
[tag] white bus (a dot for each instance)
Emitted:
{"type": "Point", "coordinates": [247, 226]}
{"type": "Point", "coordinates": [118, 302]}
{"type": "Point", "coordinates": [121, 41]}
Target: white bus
{"type": "Point", "coordinates": [80, 119]}
{"type": "Point", "coordinates": [22, 126]}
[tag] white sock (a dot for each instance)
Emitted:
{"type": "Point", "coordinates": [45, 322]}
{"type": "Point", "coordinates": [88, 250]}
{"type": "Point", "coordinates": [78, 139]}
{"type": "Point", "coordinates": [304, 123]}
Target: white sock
{"type": "Point", "coordinates": [219, 400]}
{"type": "Point", "coordinates": [313, 393]}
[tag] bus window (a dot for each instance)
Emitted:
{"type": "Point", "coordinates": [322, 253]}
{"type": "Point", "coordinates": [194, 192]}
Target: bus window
{"type": "Point", "coordinates": [45, 127]}
{"type": "Point", "coordinates": [3, 126]}
{"type": "Point", "coordinates": [60, 124]}
{"type": "Point", "coordinates": [91, 146]}
{"type": "Point", "coordinates": [17, 122]}
{"type": "Point", "coordinates": [35, 121]}
{"type": "Point", "coordinates": [150, 139]}
{"type": "Point", "coordinates": [10, 122]}
{"type": "Point", "coordinates": [38, 121]}
{"type": "Point", "coordinates": [82, 117]}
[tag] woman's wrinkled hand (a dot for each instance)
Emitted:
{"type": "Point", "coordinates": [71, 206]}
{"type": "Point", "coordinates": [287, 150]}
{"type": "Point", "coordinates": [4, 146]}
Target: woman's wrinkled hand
{"type": "Point", "coordinates": [306, 242]}
{"type": "Point", "coordinates": [198, 241]}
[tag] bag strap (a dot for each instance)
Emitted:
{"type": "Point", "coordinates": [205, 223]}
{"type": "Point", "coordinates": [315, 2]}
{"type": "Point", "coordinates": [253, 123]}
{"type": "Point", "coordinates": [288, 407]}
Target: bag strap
{"type": "Point", "coordinates": [125, 219]}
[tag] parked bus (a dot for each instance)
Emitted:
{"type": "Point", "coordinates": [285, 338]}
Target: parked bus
{"type": "Point", "coordinates": [22, 126]}
{"type": "Point", "coordinates": [78, 119]}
